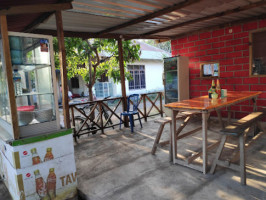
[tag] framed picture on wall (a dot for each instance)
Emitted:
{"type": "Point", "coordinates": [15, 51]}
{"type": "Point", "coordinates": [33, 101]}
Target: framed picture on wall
{"type": "Point", "coordinates": [210, 69]}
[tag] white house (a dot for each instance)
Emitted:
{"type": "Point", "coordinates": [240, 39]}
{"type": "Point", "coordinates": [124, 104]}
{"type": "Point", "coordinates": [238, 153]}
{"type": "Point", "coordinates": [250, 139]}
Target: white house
{"type": "Point", "coordinates": [146, 73]}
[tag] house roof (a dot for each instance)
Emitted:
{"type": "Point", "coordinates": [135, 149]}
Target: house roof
{"type": "Point", "coordinates": [131, 19]}
{"type": "Point", "coordinates": [149, 52]}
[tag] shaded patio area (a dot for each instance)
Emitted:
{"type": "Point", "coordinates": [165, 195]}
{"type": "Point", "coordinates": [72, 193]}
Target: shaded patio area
{"type": "Point", "coordinates": [119, 165]}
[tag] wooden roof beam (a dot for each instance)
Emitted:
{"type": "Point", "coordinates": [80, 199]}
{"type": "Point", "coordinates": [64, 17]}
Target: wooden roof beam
{"type": "Point", "coordinates": [151, 15]}
{"type": "Point", "coordinates": [86, 35]}
{"type": "Point", "coordinates": [42, 18]}
{"type": "Point", "coordinates": [209, 17]}
{"type": "Point", "coordinates": [37, 8]}
{"type": "Point", "coordinates": [228, 24]}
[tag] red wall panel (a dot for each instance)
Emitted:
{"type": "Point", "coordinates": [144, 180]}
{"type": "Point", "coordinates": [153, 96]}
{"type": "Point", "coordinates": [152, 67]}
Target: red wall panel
{"type": "Point", "coordinates": [230, 47]}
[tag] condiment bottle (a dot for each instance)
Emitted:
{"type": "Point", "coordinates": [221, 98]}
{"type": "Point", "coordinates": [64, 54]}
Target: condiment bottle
{"type": "Point", "coordinates": [218, 88]}
{"type": "Point", "coordinates": [210, 93]}
{"type": "Point", "coordinates": [213, 86]}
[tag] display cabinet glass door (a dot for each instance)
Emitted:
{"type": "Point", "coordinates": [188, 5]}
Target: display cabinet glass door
{"type": "Point", "coordinates": [171, 83]}
{"type": "Point", "coordinates": [32, 79]}
{"type": "Point", "coordinates": [4, 105]}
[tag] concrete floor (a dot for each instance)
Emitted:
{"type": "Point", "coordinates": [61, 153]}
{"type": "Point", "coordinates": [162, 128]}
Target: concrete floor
{"type": "Point", "coordinates": [119, 166]}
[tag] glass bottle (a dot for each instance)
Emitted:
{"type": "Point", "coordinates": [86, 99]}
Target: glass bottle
{"type": "Point", "coordinates": [49, 155]}
{"type": "Point", "coordinates": [40, 186]}
{"type": "Point", "coordinates": [218, 88]}
{"type": "Point", "coordinates": [35, 157]}
{"type": "Point", "coordinates": [213, 86]}
{"type": "Point", "coordinates": [51, 184]}
{"type": "Point", "coordinates": [210, 93]}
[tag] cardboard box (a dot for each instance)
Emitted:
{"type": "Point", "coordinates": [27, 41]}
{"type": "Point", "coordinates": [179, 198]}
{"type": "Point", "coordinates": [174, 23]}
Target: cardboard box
{"type": "Point", "coordinates": [52, 180]}
{"type": "Point", "coordinates": [23, 156]}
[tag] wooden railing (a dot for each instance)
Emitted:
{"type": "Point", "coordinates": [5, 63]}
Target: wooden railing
{"type": "Point", "coordinates": [92, 116]}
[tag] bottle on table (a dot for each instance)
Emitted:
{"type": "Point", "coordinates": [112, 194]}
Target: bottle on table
{"type": "Point", "coordinates": [35, 157]}
{"type": "Point", "coordinates": [210, 93]}
{"type": "Point", "coordinates": [17, 82]}
{"type": "Point", "coordinates": [40, 186]}
{"type": "Point", "coordinates": [213, 86]}
{"type": "Point", "coordinates": [51, 184]}
{"type": "Point", "coordinates": [218, 88]}
{"type": "Point", "coordinates": [214, 94]}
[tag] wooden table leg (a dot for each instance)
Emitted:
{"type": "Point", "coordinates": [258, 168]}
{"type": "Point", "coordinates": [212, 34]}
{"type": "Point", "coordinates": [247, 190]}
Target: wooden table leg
{"type": "Point", "coordinates": [254, 104]}
{"type": "Point", "coordinates": [229, 115]}
{"type": "Point", "coordinates": [173, 144]}
{"type": "Point", "coordinates": [218, 111]}
{"type": "Point", "coordinates": [204, 141]}
{"type": "Point", "coordinates": [254, 110]}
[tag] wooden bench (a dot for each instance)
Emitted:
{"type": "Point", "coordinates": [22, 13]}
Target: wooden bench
{"type": "Point", "coordinates": [237, 129]}
{"type": "Point", "coordinates": [168, 120]}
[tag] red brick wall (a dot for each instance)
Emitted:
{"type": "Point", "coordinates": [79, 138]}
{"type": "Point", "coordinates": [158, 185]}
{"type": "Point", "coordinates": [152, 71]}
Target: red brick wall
{"type": "Point", "coordinates": [230, 47]}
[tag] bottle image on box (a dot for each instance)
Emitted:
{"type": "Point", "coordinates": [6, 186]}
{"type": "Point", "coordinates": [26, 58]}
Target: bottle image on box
{"type": "Point", "coordinates": [35, 157]}
{"type": "Point", "coordinates": [49, 155]}
{"type": "Point", "coordinates": [40, 186]}
{"type": "Point", "coordinates": [51, 184]}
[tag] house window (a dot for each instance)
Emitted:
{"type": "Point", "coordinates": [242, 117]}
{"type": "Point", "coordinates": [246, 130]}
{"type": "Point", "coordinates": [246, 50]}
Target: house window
{"type": "Point", "coordinates": [75, 82]}
{"type": "Point", "coordinates": [138, 75]}
{"type": "Point", "coordinates": [258, 53]}
{"type": "Point", "coordinates": [103, 78]}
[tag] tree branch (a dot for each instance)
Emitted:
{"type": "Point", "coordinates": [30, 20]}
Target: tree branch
{"type": "Point", "coordinates": [97, 57]}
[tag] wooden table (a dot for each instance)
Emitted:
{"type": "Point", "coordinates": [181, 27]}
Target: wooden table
{"type": "Point", "coordinates": [205, 105]}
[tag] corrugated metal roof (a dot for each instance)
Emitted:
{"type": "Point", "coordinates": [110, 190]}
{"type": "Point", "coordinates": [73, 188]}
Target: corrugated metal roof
{"type": "Point", "coordinates": [142, 18]}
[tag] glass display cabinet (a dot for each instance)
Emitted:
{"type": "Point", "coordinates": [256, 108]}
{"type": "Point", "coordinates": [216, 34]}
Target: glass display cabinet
{"type": "Point", "coordinates": [176, 79]}
{"type": "Point", "coordinates": [33, 146]}
{"type": "Point", "coordinates": [34, 84]}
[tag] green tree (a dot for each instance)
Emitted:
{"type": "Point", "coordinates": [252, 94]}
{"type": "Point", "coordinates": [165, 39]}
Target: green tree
{"type": "Point", "coordinates": [94, 57]}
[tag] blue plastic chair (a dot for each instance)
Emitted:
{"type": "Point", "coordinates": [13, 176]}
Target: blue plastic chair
{"type": "Point", "coordinates": [134, 98]}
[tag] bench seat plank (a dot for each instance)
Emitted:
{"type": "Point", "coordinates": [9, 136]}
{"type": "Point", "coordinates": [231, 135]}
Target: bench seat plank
{"type": "Point", "coordinates": [166, 120]}
{"type": "Point", "coordinates": [240, 125]}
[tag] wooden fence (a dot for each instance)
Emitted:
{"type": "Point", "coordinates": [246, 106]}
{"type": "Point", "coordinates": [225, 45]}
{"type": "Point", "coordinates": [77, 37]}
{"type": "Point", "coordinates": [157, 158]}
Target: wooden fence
{"type": "Point", "coordinates": [92, 116]}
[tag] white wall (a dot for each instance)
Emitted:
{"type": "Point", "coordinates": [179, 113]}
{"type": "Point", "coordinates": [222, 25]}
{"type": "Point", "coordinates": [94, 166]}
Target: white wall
{"type": "Point", "coordinates": [82, 88]}
{"type": "Point", "coordinates": [153, 77]}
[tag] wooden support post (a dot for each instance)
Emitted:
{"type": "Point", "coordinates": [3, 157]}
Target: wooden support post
{"type": "Point", "coordinates": [9, 74]}
{"type": "Point", "coordinates": [161, 104]}
{"type": "Point", "coordinates": [204, 141]}
{"type": "Point", "coordinates": [173, 143]}
{"type": "Point", "coordinates": [254, 110]}
{"type": "Point", "coordinates": [73, 116]}
{"type": "Point", "coordinates": [101, 116]}
{"type": "Point", "coordinates": [63, 70]}
{"type": "Point", "coordinates": [122, 75]}
{"type": "Point", "coordinates": [144, 107]}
